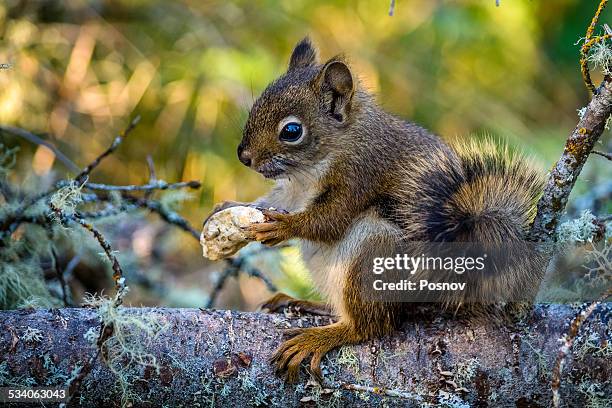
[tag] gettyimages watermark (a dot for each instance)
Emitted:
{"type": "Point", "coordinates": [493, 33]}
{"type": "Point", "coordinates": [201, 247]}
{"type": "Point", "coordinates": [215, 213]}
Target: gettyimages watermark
{"type": "Point", "coordinates": [469, 272]}
{"type": "Point", "coordinates": [412, 265]}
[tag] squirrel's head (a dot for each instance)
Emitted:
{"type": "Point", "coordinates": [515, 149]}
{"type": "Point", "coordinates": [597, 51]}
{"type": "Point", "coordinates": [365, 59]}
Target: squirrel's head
{"type": "Point", "coordinates": [298, 115]}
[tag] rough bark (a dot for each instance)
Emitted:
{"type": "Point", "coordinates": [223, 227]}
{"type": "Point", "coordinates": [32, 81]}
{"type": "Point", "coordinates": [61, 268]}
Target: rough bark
{"type": "Point", "coordinates": [219, 358]}
{"type": "Point", "coordinates": [563, 176]}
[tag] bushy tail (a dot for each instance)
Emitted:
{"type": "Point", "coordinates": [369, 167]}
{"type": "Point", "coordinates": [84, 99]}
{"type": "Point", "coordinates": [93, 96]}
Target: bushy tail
{"type": "Point", "coordinates": [477, 192]}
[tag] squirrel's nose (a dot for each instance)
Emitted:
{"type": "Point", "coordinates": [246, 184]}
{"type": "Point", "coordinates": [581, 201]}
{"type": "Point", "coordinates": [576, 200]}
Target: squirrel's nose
{"type": "Point", "coordinates": [244, 156]}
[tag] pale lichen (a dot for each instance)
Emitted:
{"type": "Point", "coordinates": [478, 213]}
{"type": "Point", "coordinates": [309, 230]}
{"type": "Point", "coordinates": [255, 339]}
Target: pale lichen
{"type": "Point", "coordinates": [466, 371]}
{"type": "Point", "coordinates": [600, 56]}
{"type": "Point", "coordinates": [126, 350]}
{"type": "Point", "coordinates": [22, 284]}
{"type": "Point", "coordinates": [66, 199]}
{"type": "Point", "coordinates": [348, 358]}
{"type": "Point", "coordinates": [592, 343]}
{"type": "Point", "coordinates": [581, 229]}
{"type": "Point", "coordinates": [32, 335]}
{"type": "Point", "coordinates": [55, 375]}
{"type": "Point", "coordinates": [595, 394]}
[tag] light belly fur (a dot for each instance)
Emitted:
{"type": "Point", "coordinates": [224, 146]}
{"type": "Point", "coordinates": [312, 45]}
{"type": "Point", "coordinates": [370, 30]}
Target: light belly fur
{"type": "Point", "coordinates": [329, 263]}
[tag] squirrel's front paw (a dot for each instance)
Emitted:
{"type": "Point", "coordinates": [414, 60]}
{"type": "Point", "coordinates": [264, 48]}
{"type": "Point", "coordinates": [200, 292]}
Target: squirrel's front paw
{"type": "Point", "coordinates": [274, 231]}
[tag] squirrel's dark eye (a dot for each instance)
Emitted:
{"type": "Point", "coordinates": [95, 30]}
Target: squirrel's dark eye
{"type": "Point", "coordinates": [291, 132]}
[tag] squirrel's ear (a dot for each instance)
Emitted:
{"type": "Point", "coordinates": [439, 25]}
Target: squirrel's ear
{"type": "Point", "coordinates": [336, 87]}
{"type": "Point", "coordinates": [303, 55]}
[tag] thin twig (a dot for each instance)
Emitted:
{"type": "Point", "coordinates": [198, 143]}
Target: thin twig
{"type": "Point", "coordinates": [6, 190]}
{"type": "Point", "coordinates": [233, 268]}
{"type": "Point", "coordinates": [230, 270]}
{"type": "Point", "coordinates": [152, 174]}
{"type": "Point", "coordinates": [117, 271]}
{"type": "Point", "coordinates": [106, 331]}
{"type": "Point", "coordinates": [392, 8]}
{"type": "Point", "coordinates": [12, 220]}
{"type": "Point", "coordinates": [158, 185]}
{"type": "Point", "coordinates": [591, 28]}
{"type": "Point", "coordinates": [256, 273]}
{"type": "Point", "coordinates": [108, 250]}
{"type": "Point", "coordinates": [60, 276]}
{"type": "Point", "coordinates": [82, 176]}
{"type": "Point", "coordinates": [606, 155]}
{"type": "Point", "coordinates": [589, 41]}
{"type": "Point", "coordinates": [169, 216]}
{"type": "Point", "coordinates": [109, 211]}
{"type": "Point", "coordinates": [24, 134]}
{"type": "Point", "coordinates": [72, 264]}
{"type": "Point", "coordinates": [10, 224]}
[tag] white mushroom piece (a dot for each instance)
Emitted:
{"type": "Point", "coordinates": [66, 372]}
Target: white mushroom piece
{"type": "Point", "coordinates": [223, 234]}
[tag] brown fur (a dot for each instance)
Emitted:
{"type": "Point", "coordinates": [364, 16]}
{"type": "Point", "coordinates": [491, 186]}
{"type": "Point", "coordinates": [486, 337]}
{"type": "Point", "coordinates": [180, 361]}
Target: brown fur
{"type": "Point", "coordinates": [362, 181]}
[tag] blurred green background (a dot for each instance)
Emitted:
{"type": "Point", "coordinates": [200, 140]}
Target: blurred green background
{"type": "Point", "coordinates": [191, 69]}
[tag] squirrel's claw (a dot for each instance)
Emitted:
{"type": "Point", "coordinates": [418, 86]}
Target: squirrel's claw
{"type": "Point", "coordinates": [267, 233]}
{"type": "Point", "coordinates": [292, 352]}
{"type": "Point", "coordinates": [271, 232]}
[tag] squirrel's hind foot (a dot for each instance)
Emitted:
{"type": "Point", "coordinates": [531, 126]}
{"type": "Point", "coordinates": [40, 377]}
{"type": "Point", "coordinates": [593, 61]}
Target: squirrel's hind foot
{"type": "Point", "coordinates": [312, 341]}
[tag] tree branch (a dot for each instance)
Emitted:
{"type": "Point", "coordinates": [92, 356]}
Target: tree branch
{"type": "Point", "coordinates": [157, 185]}
{"type": "Point", "coordinates": [567, 169]}
{"type": "Point", "coordinates": [220, 358]}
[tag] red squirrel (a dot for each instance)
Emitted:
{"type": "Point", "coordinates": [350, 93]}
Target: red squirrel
{"type": "Point", "coordinates": [353, 181]}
